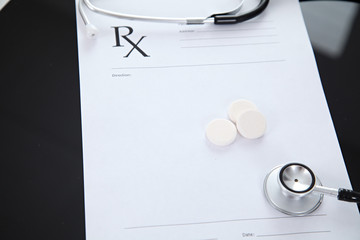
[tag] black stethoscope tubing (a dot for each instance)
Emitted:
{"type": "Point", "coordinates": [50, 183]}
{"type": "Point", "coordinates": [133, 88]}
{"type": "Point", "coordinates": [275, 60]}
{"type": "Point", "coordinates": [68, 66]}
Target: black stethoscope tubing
{"type": "Point", "coordinates": [230, 17]}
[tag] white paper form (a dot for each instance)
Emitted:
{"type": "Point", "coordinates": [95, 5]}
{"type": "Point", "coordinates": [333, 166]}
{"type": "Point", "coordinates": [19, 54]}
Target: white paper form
{"type": "Point", "coordinates": [147, 92]}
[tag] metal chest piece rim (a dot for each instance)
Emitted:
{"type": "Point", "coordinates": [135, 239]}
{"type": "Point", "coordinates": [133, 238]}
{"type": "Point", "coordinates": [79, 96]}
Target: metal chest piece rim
{"type": "Point", "coordinates": [291, 204]}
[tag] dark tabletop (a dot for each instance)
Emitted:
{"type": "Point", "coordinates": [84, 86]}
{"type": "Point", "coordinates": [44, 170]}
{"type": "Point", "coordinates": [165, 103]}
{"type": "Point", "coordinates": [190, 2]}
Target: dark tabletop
{"type": "Point", "coordinates": [41, 175]}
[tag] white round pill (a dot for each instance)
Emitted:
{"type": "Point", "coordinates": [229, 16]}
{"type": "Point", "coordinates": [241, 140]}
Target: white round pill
{"type": "Point", "coordinates": [238, 107]}
{"type": "Point", "coordinates": [221, 132]}
{"type": "Point", "coordinates": [251, 124]}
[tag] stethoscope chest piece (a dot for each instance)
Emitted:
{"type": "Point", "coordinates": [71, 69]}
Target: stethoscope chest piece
{"type": "Point", "coordinates": [289, 188]}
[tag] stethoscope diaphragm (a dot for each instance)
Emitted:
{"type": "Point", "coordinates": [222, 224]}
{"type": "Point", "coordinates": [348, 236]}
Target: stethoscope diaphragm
{"type": "Point", "coordinates": [284, 200]}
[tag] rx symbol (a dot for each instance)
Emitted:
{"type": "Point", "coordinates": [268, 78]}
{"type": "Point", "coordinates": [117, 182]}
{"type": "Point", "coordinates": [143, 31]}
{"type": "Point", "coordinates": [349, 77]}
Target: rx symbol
{"type": "Point", "coordinates": [125, 36]}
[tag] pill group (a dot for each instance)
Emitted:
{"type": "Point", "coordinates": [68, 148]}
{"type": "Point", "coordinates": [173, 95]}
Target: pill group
{"type": "Point", "coordinates": [245, 118]}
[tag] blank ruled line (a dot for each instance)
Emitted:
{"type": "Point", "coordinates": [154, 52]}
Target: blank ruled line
{"type": "Point", "coordinates": [236, 30]}
{"type": "Point", "coordinates": [200, 65]}
{"type": "Point", "coordinates": [223, 28]}
{"type": "Point", "coordinates": [220, 221]}
{"type": "Point", "coordinates": [262, 21]}
{"type": "Point", "coordinates": [232, 45]}
{"type": "Point", "coordinates": [220, 38]}
{"type": "Point", "coordinates": [292, 233]}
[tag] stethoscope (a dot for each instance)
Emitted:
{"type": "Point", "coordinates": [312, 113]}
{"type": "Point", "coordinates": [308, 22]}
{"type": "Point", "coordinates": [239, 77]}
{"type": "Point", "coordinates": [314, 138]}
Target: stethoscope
{"type": "Point", "coordinates": [217, 18]}
{"type": "Point", "coordinates": [295, 190]}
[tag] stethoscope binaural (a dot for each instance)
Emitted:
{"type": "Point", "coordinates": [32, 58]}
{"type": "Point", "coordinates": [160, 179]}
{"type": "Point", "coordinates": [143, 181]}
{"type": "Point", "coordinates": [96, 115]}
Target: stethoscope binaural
{"type": "Point", "coordinates": [295, 190]}
{"type": "Point", "coordinates": [217, 18]}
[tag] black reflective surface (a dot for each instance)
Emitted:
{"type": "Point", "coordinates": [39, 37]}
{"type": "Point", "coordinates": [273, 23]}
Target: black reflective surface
{"type": "Point", "coordinates": [41, 158]}
{"type": "Point", "coordinates": [340, 72]}
{"type": "Point", "coordinates": [41, 185]}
